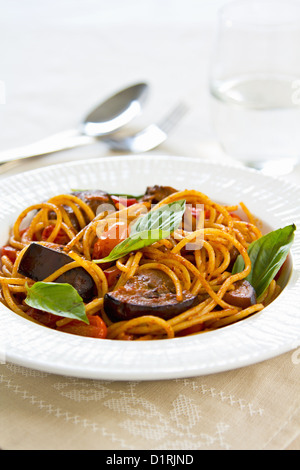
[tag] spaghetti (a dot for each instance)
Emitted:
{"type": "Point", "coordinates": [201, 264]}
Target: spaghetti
{"type": "Point", "coordinates": [201, 271]}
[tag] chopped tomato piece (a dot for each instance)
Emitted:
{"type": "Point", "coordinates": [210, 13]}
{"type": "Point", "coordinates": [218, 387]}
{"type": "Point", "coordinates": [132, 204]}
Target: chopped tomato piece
{"type": "Point", "coordinates": [96, 329]}
{"type": "Point", "coordinates": [112, 274]}
{"type": "Point", "coordinates": [61, 238]}
{"type": "Point", "coordinates": [10, 252]}
{"type": "Point", "coordinates": [124, 200]}
{"type": "Point", "coordinates": [110, 238]}
{"type": "Point", "coordinates": [46, 318]}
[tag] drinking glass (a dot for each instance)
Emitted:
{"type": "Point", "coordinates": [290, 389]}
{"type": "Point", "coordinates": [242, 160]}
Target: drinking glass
{"type": "Point", "coordinates": [255, 83]}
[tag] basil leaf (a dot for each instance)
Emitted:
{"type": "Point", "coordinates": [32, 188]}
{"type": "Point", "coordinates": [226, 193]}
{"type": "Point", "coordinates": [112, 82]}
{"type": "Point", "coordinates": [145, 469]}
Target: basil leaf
{"type": "Point", "coordinates": [57, 298]}
{"type": "Point", "coordinates": [267, 255]}
{"type": "Point", "coordinates": [165, 218]}
{"type": "Point", "coordinates": [148, 229]}
{"type": "Point", "coordinates": [135, 242]}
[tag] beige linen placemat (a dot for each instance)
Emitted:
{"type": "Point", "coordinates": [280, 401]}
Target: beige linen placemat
{"type": "Point", "coordinates": [255, 407]}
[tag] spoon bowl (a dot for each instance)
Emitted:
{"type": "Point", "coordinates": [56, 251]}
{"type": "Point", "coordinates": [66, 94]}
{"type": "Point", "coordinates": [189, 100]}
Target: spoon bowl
{"type": "Point", "coordinates": [116, 111]}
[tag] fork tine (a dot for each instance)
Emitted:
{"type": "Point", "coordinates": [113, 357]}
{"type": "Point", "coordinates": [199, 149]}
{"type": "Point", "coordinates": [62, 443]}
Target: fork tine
{"type": "Point", "coordinates": [150, 137]}
{"type": "Point", "coordinates": [170, 121]}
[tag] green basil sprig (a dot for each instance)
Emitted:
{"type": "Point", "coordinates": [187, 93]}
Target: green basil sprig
{"type": "Point", "coordinates": [61, 299]}
{"type": "Point", "coordinates": [267, 255]}
{"type": "Point", "coordinates": [155, 225]}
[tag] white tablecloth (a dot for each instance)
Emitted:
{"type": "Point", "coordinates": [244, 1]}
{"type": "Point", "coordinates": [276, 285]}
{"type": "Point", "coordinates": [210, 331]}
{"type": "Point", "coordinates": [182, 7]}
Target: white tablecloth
{"type": "Point", "coordinates": [57, 60]}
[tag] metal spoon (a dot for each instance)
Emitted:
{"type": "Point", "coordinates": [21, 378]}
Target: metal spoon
{"type": "Point", "coordinates": [112, 114]}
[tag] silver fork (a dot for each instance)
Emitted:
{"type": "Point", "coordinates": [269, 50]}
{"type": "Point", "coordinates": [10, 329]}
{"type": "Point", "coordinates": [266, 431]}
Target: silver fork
{"type": "Point", "coordinates": [150, 137]}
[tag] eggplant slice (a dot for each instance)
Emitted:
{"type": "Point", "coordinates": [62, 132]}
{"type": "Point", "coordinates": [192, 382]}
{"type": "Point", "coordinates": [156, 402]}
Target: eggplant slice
{"type": "Point", "coordinates": [155, 194]}
{"type": "Point", "coordinates": [242, 296]}
{"type": "Point", "coordinates": [39, 262]}
{"type": "Point", "coordinates": [150, 292]}
{"type": "Point", "coordinates": [93, 198]}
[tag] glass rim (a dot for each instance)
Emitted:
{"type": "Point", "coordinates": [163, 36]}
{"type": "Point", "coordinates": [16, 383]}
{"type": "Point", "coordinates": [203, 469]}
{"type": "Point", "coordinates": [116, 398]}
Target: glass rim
{"type": "Point", "coordinates": [245, 13]}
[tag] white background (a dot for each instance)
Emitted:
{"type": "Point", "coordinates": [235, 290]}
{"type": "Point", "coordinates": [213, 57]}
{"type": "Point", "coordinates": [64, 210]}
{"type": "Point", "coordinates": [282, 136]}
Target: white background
{"type": "Point", "coordinates": [58, 59]}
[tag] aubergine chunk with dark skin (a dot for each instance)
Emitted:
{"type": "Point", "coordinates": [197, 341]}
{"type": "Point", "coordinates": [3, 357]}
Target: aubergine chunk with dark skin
{"type": "Point", "coordinates": [39, 262]}
{"type": "Point", "coordinates": [155, 194]}
{"type": "Point", "coordinates": [93, 198]}
{"type": "Point", "coordinates": [150, 292]}
{"type": "Point", "coordinates": [243, 295]}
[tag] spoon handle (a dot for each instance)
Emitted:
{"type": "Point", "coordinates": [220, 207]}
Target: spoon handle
{"type": "Point", "coordinates": [60, 141]}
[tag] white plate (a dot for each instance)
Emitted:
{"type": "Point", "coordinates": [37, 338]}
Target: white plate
{"type": "Point", "coordinates": [272, 332]}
